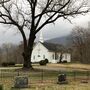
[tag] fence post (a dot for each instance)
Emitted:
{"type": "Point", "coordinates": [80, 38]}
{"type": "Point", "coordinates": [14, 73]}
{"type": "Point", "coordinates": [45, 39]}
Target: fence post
{"type": "Point", "coordinates": [74, 72]}
{"type": "Point", "coordinates": [37, 88]}
{"type": "Point", "coordinates": [18, 73]}
{"type": "Point", "coordinates": [42, 75]}
{"type": "Point", "coordinates": [88, 75]}
{"type": "Point", "coordinates": [1, 74]}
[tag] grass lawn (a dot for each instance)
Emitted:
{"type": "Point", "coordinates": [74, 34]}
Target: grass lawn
{"type": "Point", "coordinates": [72, 65]}
{"type": "Point", "coordinates": [47, 79]}
{"type": "Point", "coordinates": [68, 66]}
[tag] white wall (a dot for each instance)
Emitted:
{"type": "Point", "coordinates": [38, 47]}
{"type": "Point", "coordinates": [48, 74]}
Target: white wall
{"type": "Point", "coordinates": [52, 57]}
{"type": "Point", "coordinates": [67, 57]}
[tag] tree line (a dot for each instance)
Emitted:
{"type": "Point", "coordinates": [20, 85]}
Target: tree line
{"type": "Point", "coordinates": [81, 44]}
{"type": "Point", "coordinates": [11, 53]}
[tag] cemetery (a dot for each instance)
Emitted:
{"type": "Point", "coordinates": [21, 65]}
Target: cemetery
{"type": "Point", "coordinates": [41, 79]}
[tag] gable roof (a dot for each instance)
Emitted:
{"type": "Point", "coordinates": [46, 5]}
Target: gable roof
{"type": "Point", "coordinates": [53, 47]}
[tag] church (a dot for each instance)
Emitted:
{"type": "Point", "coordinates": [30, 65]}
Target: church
{"type": "Point", "coordinates": [45, 50]}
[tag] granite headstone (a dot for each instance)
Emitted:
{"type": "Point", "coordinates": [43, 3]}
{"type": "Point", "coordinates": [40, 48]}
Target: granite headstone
{"type": "Point", "coordinates": [21, 82]}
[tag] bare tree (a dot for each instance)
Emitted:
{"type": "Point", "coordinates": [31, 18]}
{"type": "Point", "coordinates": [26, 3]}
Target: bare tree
{"type": "Point", "coordinates": [7, 50]}
{"type": "Point", "coordinates": [61, 57]}
{"type": "Point", "coordinates": [0, 55]}
{"type": "Point", "coordinates": [17, 54]}
{"type": "Point", "coordinates": [81, 42]}
{"type": "Point", "coordinates": [11, 53]}
{"type": "Point", "coordinates": [33, 15]}
{"type": "Point", "coordinates": [4, 1]}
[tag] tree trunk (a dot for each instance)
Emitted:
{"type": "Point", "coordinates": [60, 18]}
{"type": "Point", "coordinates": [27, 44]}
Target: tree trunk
{"type": "Point", "coordinates": [61, 56]}
{"type": "Point", "coordinates": [28, 52]}
{"type": "Point", "coordinates": [27, 61]}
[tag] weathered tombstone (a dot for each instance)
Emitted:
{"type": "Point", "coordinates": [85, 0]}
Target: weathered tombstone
{"type": "Point", "coordinates": [62, 79]}
{"type": "Point", "coordinates": [21, 82]}
{"type": "Point", "coordinates": [84, 81]}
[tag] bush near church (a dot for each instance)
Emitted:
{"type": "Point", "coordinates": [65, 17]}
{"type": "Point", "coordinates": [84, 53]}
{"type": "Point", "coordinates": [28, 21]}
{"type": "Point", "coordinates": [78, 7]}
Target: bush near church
{"type": "Point", "coordinates": [43, 62]}
{"type": "Point", "coordinates": [46, 60]}
{"type": "Point", "coordinates": [65, 61]}
{"type": "Point", "coordinates": [6, 64]}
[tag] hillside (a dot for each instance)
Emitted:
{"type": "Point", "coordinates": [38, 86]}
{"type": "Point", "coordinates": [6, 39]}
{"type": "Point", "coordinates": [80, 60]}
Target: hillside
{"type": "Point", "coordinates": [65, 40]}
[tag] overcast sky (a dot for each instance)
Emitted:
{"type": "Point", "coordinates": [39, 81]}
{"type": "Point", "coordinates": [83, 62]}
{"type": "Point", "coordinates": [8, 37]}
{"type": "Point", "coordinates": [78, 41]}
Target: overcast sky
{"type": "Point", "coordinates": [60, 28]}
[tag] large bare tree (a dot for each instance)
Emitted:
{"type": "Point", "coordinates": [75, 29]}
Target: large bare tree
{"type": "Point", "coordinates": [81, 43]}
{"type": "Point", "coordinates": [4, 1]}
{"type": "Point", "coordinates": [33, 15]}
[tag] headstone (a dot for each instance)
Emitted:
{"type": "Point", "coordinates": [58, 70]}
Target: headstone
{"type": "Point", "coordinates": [21, 82]}
{"type": "Point", "coordinates": [84, 81]}
{"type": "Point", "coordinates": [62, 79]}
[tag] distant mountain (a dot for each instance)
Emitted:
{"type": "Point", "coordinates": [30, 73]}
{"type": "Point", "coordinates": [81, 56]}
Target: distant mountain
{"type": "Point", "coordinates": [65, 40]}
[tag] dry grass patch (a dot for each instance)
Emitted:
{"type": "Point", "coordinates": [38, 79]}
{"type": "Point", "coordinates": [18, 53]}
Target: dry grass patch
{"type": "Point", "coordinates": [68, 65]}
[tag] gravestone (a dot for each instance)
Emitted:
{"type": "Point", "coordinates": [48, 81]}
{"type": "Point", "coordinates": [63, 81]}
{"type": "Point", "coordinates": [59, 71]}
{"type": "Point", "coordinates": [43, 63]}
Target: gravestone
{"type": "Point", "coordinates": [21, 82]}
{"type": "Point", "coordinates": [62, 79]}
{"type": "Point", "coordinates": [84, 81]}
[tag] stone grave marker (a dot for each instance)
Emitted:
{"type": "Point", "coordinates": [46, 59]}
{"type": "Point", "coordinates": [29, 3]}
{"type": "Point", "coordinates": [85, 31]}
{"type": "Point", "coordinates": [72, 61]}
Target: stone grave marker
{"type": "Point", "coordinates": [62, 79]}
{"type": "Point", "coordinates": [21, 82]}
{"type": "Point", "coordinates": [84, 81]}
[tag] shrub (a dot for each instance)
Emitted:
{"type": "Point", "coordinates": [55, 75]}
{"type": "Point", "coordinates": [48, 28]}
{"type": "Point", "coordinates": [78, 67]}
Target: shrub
{"type": "Point", "coordinates": [42, 62]}
{"type": "Point", "coordinates": [65, 61]}
{"type": "Point", "coordinates": [1, 87]}
{"type": "Point", "coordinates": [4, 64]}
{"type": "Point", "coordinates": [46, 60]}
{"type": "Point", "coordinates": [11, 63]}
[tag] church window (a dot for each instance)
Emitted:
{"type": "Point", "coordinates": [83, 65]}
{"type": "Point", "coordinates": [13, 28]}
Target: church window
{"type": "Point", "coordinates": [52, 56]}
{"type": "Point", "coordinates": [65, 56]}
{"type": "Point", "coordinates": [33, 57]}
{"type": "Point", "coordinates": [38, 55]}
{"type": "Point", "coordinates": [56, 56]}
{"type": "Point", "coordinates": [43, 56]}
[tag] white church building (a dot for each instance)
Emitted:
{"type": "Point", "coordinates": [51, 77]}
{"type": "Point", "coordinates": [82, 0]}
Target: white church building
{"type": "Point", "coordinates": [44, 50]}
